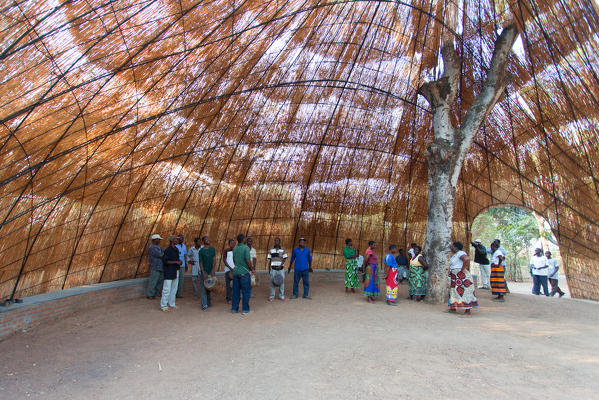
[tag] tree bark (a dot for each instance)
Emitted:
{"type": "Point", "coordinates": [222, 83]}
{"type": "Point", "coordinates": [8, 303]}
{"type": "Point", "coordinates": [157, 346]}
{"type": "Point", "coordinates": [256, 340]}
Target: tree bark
{"type": "Point", "coordinates": [445, 155]}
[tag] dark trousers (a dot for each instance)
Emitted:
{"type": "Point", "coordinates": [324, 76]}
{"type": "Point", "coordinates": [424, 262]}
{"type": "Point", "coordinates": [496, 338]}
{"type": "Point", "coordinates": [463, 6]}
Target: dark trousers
{"type": "Point", "coordinates": [305, 277]}
{"type": "Point", "coordinates": [154, 283]}
{"type": "Point", "coordinates": [229, 284]}
{"type": "Point", "coordinates": [537, 282]}
{"type": "Point", "coordinates": [241, 288]}
{"type": "Point", "coordinates": [555, 288]}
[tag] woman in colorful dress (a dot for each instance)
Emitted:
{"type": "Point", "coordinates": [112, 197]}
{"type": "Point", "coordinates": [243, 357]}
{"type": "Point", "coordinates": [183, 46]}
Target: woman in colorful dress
{"type": "Point", "coordinates": [371, 283]}
{"type": "Point", "coordinates": [498, 284]}
{"type": "Point", "coordinates": [417, 278]}
{"type": "Point", "coordinates": [351, 266]}
{"type": "Point", "coordinates": [392, 276]}
{"type": "Point", "coordinates": [461, 290]}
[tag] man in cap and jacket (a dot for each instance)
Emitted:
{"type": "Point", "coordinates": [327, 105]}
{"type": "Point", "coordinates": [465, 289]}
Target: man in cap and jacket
{"type": "Point", "coordinates": [481, 258]}
{"type": "Point", "coordinates": [156, 277]}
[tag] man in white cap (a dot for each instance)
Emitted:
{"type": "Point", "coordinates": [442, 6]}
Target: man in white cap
{"type": "Point", "coordinates": [481, 258]}
{"type": "Point", "coordinates": [156, 277]}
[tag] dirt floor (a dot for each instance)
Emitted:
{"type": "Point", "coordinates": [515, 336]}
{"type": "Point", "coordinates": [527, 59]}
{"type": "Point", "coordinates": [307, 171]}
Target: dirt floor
{"type": "Point", "coordinates": [335, 346]}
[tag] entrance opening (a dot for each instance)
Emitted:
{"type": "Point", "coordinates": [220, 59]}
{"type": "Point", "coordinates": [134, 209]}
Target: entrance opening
{"type": "Point", "coordinates": [520, 232]}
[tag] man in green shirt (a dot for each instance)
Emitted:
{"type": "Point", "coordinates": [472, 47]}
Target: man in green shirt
{"type": "Point", "coordinates": [241, 276]}
{"type": "Point", "coordinates": [207, 254]}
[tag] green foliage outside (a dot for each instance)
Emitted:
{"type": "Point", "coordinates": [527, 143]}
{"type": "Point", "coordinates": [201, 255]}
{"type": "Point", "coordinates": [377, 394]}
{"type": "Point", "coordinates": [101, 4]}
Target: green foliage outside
{"type": "Point", "coordinates": [516, 228]}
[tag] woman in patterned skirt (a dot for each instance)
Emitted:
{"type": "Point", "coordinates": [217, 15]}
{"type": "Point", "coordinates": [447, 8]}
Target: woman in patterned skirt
{"type": "Point", "coordinates": [371, 288]}
{"type": "Point", "coordinates": [351, 266]}
{"type": "Point", "coordinates": [417, 277]}
{"type": "Point", "coordinates": [498, 284]}
{"type": "Point", "coordinates": [461, 290]}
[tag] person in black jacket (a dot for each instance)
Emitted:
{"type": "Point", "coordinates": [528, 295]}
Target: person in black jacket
{"type": "Point", "coordinates": [481, 258]}
{"type": "Point", "coordinates": [172, 263]}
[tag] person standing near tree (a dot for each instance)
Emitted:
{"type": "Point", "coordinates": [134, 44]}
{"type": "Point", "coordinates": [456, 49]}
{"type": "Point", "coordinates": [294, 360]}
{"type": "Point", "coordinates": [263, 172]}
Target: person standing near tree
{"type": "Point", "coordinates": [303, 266]}
{"type": "Point", "coordinates": [480, 257]}
{"type": "Point", "coordinates": [461, 291]}
{"type": "Point", "coordinates": [229, 267]}
{"type": "Point", "coordinates": [553, 275]}
{"type": "Point", "coordinates": [207, 254]}
{"type": "Point", "coordinates": [539, 267]}
{"type": "Point", "coordinates": [156, 278]}
{"type": "Point", "coordinates": [498, 285]}
{"type": "Point", "coordinates": [417, 279]}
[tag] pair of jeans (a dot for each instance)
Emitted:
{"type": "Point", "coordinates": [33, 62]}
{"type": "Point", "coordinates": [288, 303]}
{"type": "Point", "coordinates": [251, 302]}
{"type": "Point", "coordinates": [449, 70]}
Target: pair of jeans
{"type": "Point", "coordinates": [194, 283]}
{"type": "Point", "coordinates": [205, 295]}
{"type": "Point", "coordinates": [154, 283]}
{"type": "Point", "coordinates": [555, 287]}
{"type": "Point", "coordinates": [537, 282]}
{"type": "Point", "coordinates": [272, 286]}
{"type": "Point", "coordinates": [485, 275]}
{"type": "Point", "coordinates": [180, 285]}
{"type": "Point", "coordinates": [169, 292]}
{"type": "Point", "coordinates": [229, 284]}
{"type": "Point", "coordinates": [305, 277]}
{"type": "Point", "coordinates": [241, 289]}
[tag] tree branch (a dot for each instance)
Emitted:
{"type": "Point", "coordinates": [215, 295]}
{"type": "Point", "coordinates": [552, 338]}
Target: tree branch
{"type": "Point", "coordinates": [444, 89]}
{"type": "Point", "coordinates": [497, 80]}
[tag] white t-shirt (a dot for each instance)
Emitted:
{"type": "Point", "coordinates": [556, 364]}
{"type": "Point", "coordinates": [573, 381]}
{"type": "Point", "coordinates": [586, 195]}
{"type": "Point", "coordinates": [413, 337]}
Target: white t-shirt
{"type": "Point", "coordinates": [411, 253]}
{"type": "Point", "coordinates": [495, 257]}
{"type": "Point", "coordinates": [253, 255]}
{"type": "Point", "coordinates": [230, 261]}
{"type": "Point", "coordinates": [194, 255]}
{"type": "Point", "coordinates": [553, 268]}
{"type": "Point", "coordinates": [537, 265]}
{"type": "Point", "coordinates": [455, 262]}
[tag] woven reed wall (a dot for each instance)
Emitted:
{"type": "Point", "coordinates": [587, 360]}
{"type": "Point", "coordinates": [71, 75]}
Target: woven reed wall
{"type": "Point", "coordinates": [293, 118]}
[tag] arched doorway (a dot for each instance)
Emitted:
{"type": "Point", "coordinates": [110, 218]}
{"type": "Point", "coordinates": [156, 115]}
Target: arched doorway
{"type": "Point", "coordinates": [520, 231]}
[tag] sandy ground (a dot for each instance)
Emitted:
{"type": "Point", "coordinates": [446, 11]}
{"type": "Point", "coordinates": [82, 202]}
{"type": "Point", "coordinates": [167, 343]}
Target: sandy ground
{"type": "Point", "coordinates": [335, 346]}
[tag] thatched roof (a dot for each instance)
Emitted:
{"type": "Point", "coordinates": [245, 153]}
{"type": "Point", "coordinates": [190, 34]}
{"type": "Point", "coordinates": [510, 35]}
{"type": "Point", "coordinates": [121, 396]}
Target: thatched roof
{"type": "Point", "coordinates": [277, 118]}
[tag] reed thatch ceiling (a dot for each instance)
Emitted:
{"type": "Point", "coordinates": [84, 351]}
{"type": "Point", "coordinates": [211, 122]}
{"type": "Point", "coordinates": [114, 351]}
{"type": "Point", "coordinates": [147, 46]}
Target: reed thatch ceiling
{"type": "Point", "coordinates": [122, 118]}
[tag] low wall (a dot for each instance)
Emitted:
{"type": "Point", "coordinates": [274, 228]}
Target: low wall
{"type": "Point", "coordinates": [48, 306]}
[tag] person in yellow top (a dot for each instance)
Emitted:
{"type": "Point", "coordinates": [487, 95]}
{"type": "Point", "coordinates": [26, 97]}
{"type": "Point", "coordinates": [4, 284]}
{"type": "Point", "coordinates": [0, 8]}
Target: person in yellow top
{"type": "Point", "coordinates": [417, 277]}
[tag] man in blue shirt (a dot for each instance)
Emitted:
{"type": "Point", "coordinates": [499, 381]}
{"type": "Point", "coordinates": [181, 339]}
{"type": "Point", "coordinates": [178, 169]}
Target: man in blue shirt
{"type": "Point", "coordinates": [303, 266]}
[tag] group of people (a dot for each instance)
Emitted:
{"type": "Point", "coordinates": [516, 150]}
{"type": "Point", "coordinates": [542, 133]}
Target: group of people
{"type": "Point", "coordinates": [543, 268]}
{"type": "Point", "coordinates": [168, 266]}
{"type": "Point", "coordinates": [397, 267]}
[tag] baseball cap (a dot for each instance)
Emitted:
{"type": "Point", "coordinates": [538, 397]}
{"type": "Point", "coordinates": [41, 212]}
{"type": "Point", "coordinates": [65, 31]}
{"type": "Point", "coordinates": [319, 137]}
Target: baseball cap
{"type": "Point", "coordinates": [478, 241]}
{"type": "Point", "coordinates": [156, 236]}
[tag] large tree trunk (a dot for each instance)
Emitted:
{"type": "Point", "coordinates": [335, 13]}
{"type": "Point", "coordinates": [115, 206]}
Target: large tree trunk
{"type": "Point", "coordinates": [438, 229]}
{"type": "Point", "coordinates": [445, 156]}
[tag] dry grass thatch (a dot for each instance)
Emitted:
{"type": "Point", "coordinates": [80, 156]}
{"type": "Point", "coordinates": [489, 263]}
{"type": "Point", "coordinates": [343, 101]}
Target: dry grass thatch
{"type": "Point", "coordinates": [280, 118]}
